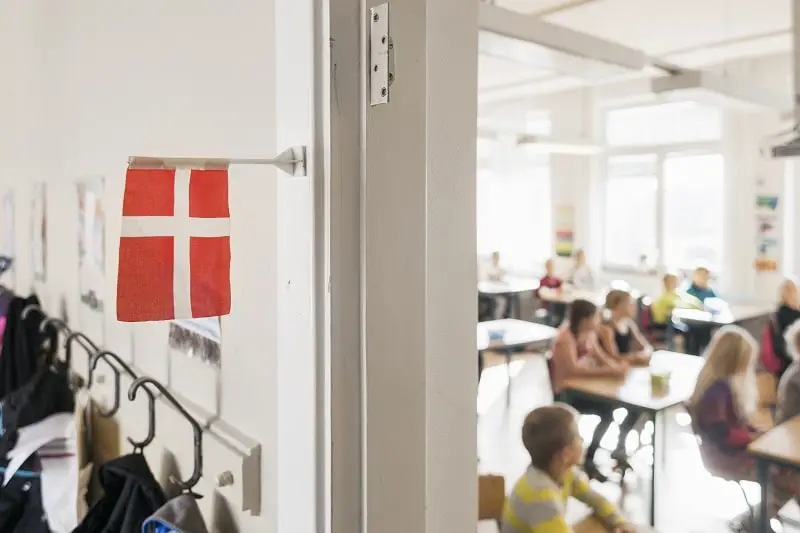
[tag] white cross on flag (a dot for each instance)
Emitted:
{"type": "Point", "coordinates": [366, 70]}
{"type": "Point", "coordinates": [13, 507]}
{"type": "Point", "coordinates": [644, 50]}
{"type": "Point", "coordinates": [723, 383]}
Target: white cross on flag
{"type": "Point", "coordinates": [174, 248]}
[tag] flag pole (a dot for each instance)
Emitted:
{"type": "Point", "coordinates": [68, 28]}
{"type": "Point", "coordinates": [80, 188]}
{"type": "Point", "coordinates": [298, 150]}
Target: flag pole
{"type": "Point", "coordinates": [291, 161]}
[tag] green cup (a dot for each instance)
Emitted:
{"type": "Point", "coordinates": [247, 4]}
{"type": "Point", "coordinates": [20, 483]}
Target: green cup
{"type": "Point", "coordinates": [659, 381]}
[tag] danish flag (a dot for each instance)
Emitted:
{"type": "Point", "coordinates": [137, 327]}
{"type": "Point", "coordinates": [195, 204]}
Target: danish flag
{"type": "Point", "coordinates": [174, 248]}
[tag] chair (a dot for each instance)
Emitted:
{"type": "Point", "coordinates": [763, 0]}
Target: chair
{"type": "Point", "coordinates": [721, 475]}
{"type": "Point", "coordinates": [491, 497]}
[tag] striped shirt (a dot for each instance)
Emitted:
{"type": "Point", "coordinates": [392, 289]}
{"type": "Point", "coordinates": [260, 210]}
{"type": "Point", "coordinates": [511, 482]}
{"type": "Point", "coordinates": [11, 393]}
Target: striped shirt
{"type": "Point", "coordinates": [537, 504]}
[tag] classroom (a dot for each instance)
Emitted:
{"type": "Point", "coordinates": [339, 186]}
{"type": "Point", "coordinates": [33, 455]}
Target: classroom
{"type": "Point", "coordinates": [399, 266]}
{"type": "Point", "coordinates": [658, 211]}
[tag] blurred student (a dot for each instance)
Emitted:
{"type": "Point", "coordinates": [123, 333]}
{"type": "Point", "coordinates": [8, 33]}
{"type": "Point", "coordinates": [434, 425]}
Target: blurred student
{"type": "Point", "coordinates": [538, 500]}
{"type": "Point", "coordinates": [550, 280]}
{"type": "Point", "coordinates": [621, 339]}
{"type": "Point", "coordinates": [577, 354]}
{"type": "Point", "coordinates": [552, 285]}
{"type": "Point", "coordinates": [788, 401]}
{"type": "Point", "coordinates": [724, 398]}
{"type": "Point", "coordinates": [661, 309]}
{"type": "Point", "coordinates": [581, 276]}
{"type": "Point", "coordinates": [495, 272]}
{"type": "Point", "coordinates": [700, 287]}
{"type": "Point", "coordinates": [788, 313]}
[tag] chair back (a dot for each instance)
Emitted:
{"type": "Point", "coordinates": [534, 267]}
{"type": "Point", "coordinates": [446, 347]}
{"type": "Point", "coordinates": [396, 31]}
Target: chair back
{"type": "Point", "coordinates": [491, 497]}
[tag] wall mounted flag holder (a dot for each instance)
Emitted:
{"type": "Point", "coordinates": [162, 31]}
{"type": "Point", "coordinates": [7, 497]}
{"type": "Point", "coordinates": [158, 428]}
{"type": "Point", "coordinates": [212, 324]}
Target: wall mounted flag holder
{"type": "Point", "coordinates": [292, 161]}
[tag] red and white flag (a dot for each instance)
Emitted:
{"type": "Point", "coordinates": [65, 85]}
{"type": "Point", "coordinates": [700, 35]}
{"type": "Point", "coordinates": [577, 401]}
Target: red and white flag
{"type": "Point", "coordinates": [174, 248]}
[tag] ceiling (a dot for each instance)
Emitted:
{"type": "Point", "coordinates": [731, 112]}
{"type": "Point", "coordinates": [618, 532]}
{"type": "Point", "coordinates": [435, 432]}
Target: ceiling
{"type": "Point", "coordinates": [688, 33]}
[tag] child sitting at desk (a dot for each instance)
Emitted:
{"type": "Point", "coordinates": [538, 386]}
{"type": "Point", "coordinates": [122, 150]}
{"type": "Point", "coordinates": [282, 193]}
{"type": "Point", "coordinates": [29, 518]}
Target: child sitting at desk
{"type": "Point", "coordinates": [700, 287]}
{"type": "Point", "coordinates": [495, 272]}
{"type": "Point", "coordinates": [581, 276]}
{"type": "Point", "coordinates": [788, 313]}
{"type": "Point", "coordinates": [788, 400]}
{"type": "Point", "coordinates": [621, 339]}
{"type": "Point", "coordinates": [552, 285]}
{"type": "Point", "coordinates": [538, 501]}
{"type": "Point", "coordinates": [577, 354]}
{"type": "Point", "coordinates": [724, 397]}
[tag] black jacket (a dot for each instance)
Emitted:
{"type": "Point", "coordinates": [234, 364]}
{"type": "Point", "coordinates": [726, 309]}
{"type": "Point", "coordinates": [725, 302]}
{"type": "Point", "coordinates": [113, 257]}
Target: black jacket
{"type": "Point", "coordinates": [47, 393]}
{"type": "Point", "coordinates": [22, 345]}
{"type": "Point", "coordinates": [131, 495]}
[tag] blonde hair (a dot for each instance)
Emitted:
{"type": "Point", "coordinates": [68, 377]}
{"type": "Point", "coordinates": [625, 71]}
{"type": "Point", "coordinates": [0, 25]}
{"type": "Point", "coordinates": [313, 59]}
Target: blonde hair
{"type": "Point", "coordinates": [732, 350]}
{"type": "Point", "coordinates": [616, 297]}
{"type": "Point", "coordinates": [792, 338]}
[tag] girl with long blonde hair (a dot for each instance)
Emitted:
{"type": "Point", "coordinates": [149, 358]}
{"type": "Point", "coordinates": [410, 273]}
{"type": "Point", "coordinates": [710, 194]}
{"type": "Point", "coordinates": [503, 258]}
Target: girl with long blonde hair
{"type": "Point", "coordinates": [723, 401]}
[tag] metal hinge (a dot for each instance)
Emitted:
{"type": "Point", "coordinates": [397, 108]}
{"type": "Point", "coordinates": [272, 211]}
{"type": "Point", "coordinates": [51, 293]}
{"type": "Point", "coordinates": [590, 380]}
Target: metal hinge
{"type": "Point", "coordinates": [381, 55]}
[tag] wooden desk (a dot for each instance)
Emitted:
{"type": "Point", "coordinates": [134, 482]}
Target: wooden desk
{"type": "Point", "coordinates": [733, 314]}
{"type": "Point", "coordinates": [510, 288]}
{"type": "Point", "coordinates": [591, 524]}
{"type": "Point", "coordinates": [750, 317]}
{"type": "Point", "coordinates": [779, 446]}
{"type": "Point", "coordinates": [515, 334]}
{"type": "Point", "coordinates": [566, 295]}
{"type": "Point", "coordinates": [635, 392]}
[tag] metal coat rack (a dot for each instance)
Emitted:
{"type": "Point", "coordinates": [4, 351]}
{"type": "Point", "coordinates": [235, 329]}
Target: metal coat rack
{"type": "Point", "coordinates": [119, 366]}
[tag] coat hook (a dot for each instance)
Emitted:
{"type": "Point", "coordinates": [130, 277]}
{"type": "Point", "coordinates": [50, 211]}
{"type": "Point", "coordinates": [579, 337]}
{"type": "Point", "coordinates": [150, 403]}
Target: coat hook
{"type": "Point", "coordinates": [29, 308]}
{"type": "Point", "coordinates": [197, 430]}
{"type": "Point", "coordinates": [91, 349]}
{"type": "Point", "coordinates": [106, 355]}
{"type": "Point", "coordinates": [56, 322]}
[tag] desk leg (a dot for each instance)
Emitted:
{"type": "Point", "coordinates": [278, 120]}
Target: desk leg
{"type": "Point", "coordinates": [508, 373]}
{"type": "Point", "coordinates": [762, 471]}
{"type": "Point", "coordinates": [515, 306]}
{"type": "Point", "coordinates": [659, 458]}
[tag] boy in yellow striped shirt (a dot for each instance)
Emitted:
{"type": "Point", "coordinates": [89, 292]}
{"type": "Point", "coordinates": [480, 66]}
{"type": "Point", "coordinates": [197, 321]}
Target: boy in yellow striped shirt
{"type": "Point", "coordinates": [538, 501]}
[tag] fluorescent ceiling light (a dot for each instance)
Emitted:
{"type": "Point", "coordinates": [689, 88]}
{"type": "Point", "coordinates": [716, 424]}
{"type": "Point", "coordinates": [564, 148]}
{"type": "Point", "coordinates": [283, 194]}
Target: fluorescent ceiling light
{"type": "Point", "coordinates": [542, 144]}
{"type": "Point", "coordinates": [542, 45]}
{"type": "Point", "coordinates": [719, 90]}
{"type": "Point", "coordinates": [549, 145]}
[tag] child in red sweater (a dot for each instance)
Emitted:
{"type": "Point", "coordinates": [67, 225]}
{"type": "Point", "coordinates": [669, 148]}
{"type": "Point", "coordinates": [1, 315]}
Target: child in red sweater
{"type": "Point", "coordinates": [724, 398]}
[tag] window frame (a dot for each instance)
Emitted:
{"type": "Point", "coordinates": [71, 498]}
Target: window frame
{"type": "Point", "coordinates": [661, 153]}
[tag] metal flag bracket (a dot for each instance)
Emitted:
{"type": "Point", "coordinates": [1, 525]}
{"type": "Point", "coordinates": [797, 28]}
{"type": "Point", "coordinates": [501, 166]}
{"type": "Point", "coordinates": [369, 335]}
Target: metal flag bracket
{"type": "Point", "coordinates": [292, 161]}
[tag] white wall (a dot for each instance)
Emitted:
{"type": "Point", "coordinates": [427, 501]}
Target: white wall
{"type": "Point", "coordinates": [88, 83]}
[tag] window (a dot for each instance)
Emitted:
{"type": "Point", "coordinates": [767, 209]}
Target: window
{"type": "Point", "coordinates": [670, 123]}
{"type": "Point", "coordinates": [664, 190]}
{"type": "Point", "coordinates": [512, 218]}
{"type": "Point", "coordinates": [631, 198]}
{"type": "Point", "coordinates": [693, 205]}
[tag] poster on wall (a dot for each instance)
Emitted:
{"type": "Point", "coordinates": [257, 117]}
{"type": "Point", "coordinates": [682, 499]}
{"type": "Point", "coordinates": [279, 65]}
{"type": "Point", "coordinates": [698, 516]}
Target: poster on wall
{"type": "Point", "coordinates": [767, 232]}
{"type": "Point", "coordinates": [91, 242]}
{"type": "Point", "coordinates": [198, 338]}
{"type": "Point", "coordinates": [8, 249]}
{"type": "Point", "coordinates": [565, 228]}
{"type": "Point", "coordinates": [39, 232]}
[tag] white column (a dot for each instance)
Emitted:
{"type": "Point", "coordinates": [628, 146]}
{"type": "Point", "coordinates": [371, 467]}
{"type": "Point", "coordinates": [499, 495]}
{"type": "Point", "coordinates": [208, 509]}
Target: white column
{"type": "Point", "coordinates": [574, 179]}
{"type": "Point", "coordinates": [748, 172]}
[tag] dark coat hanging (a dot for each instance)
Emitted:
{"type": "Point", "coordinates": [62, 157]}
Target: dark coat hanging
{"type": "Point", "coordinates": [131, 495]}
{"type": "Point", "coordinates": [21, 345]}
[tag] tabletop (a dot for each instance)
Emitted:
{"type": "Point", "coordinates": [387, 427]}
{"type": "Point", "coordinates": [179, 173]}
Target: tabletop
{"type": "Point", "coordinates": [781, 443]}
{"type": "Point", "coordinates": [568, 294]}
{"type": "Point", "coordinates": [514, 333]}
{"type": "Point", "coordinates": [508, 286]}
{"type": "Point", "coordinates": [731, 314]}
{"type": "Point", "coordinates": [635, 389]}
